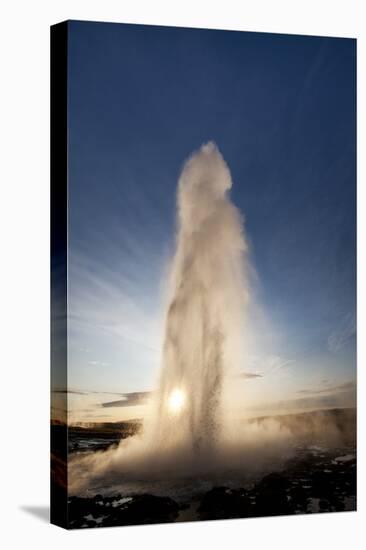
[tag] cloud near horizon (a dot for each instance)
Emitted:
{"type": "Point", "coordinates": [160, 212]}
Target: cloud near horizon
{"type": "Point", "coordinates": [347, 386]}
{"type": "Point", "coordinates": [249, 375]}
{"type": "Point", "coordinates": [130, 400]}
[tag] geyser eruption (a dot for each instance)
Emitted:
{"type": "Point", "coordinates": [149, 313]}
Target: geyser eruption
{"type": "Point", "coordinates": [203, 326]}
{"type": "Point", "coordinates": [189, 429]}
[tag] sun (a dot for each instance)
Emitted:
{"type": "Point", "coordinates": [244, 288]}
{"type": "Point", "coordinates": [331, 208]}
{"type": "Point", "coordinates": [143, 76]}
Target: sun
{"type": "Point", "coordinates": [176, 401]}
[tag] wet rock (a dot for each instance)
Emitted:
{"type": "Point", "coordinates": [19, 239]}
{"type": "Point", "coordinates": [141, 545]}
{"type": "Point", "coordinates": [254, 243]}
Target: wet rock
{"type": "Point", "coordinates": [271, 496]}
{"type": "Point", "coordinates": [324, 505]}
{"type": "Point", "coordinates": [147, 509]}
{"type": "Point", "coordinates": [108, 511]}
{"type": "Point", "coordinates": [224, 503]}
{"type": "Point", "coordinates": [324, 485]}
{"type": "Point", "coordinates": [299, 499]}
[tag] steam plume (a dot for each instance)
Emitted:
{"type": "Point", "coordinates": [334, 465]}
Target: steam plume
{"type": "Point", "coordinates": [204, 317]}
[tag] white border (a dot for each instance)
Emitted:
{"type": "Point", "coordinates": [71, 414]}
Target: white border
{"type": "Point", "coordinates": [24, 303]}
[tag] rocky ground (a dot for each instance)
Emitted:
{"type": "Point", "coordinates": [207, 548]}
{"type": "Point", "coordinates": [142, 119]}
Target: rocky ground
{"type": "Point", "coordinates": [98, 437]}
{"type": "Point", "coordinates": [315, 480]}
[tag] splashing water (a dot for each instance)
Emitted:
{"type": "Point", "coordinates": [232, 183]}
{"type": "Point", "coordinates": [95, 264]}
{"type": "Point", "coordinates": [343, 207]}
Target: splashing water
{"type": "Point", "coordinates": [204, 317]}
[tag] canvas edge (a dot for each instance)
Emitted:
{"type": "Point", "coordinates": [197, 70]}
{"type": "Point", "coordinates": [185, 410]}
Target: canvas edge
{"type": "Point", "coordinates": [59, 240]}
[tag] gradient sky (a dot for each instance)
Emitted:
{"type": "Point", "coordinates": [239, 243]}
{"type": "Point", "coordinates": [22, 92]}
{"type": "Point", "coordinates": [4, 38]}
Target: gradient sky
{"type": "Point", "coordinates": [282, 111]}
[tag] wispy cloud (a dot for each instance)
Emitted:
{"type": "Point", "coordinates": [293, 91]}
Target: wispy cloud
{"type": "Point", "coordinates": [341, 396]}
{"type": "Point", "coordinates": [100, 363]}
{"type": "Point", "coordinates": [343, 333]}
{"type": "Point", "coordinates": [130, 400]}
{"type": "Point", "coordinates": [249, 375]}
{"type": "Point", "coordinates": [347, 386]}
{"type": "Point", "coordinates": [269, 365]}
{"type": "Point", "coordinates": [76, 392]}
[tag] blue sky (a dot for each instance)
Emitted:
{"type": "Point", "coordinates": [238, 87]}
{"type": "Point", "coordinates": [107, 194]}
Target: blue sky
{"type": "Point", "coordinates": [282, 111]}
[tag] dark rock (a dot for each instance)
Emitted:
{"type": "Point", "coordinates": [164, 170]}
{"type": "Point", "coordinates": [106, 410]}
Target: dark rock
{"type": "Point", "coordinates": [271, 496]}
{"type": "Point", "coordinates": [299, 498]}
{"type": "Point", "coordinates": [324, 506]}
{"type": "Point", "coordinates": [224, 503]}
{"type": "Point", "coordinates": [147, 509]}
{"type": "Point", "coordinates": [99, 511]}
{"type": "Point", "coordinates": [323, 485]}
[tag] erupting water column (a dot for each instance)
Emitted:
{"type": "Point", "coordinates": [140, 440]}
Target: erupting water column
{"type": "Point", "coordinates": [204, 318]}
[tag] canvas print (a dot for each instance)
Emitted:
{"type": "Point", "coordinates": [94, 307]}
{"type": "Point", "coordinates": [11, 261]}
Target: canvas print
{"type": "Point", "coordinates": [203, 233]}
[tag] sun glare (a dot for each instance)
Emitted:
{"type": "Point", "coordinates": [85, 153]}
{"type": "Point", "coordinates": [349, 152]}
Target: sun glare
{"type": "Point", "coordinates": [176, 401]}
